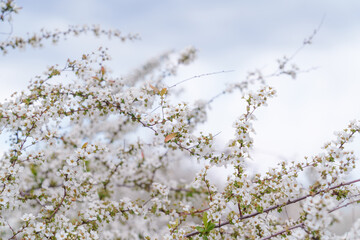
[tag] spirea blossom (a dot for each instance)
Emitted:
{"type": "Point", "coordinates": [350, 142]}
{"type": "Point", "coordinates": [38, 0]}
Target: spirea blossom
{"type": "Point", "coordinates": [105, 157]}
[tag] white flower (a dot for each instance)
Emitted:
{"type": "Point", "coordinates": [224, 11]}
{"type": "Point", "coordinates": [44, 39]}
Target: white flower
{"type": "Point", "coordinates": [39, 227]}
{"type": "Point", "coordinates": [216, 216]}
{"type": "Point", "coordinates": [3, 200]}
{"type": "Point", "coordinates": [61, 235]}
{"type": "Point", "coordinates": [66, 170]}
{"type": "Point", "coordinates": [213, 188]}
{"type": "Point", "coordinates": [196, 184]}
{"type": "Point", "coordinates": [49, 207]}
{"type": "Point", "coordinates": [237, 192]}
{"type": "Point", "coordinates": [27, 217]}
{"type": "Point", "coordinates": [163, 190]}
{"type": "Point", "coordinates": [71, 161]}
{"type": "Point", "coordinates": [94, 235]}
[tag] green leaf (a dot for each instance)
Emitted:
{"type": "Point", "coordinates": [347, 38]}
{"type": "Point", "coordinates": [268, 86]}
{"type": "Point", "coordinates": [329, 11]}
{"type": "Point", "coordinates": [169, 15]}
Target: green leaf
{"type": "Point", "coordinates": [210, 227]}
{"type": "Point", "coordinates": [205, 219]}
{"type": "Point", "coordinates": [200, 229]}
{"type": "Point", "coordinates": [259, 208]}
{"type": "Point", "coordinates": [33, 169]}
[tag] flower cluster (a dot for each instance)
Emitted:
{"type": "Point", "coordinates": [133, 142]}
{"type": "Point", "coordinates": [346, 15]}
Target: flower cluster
{"type": "Point", "coordinates": [7, 7]}
{"type": "Point", "coordinates": [120, 158]}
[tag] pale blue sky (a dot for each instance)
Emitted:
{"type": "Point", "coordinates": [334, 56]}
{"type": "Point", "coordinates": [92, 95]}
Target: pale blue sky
{"type": "Point", "coordinates": [236, 35]}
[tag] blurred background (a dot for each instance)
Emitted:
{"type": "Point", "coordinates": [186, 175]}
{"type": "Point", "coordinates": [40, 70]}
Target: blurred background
{"type": "Point", "coordinates": [230, 35]}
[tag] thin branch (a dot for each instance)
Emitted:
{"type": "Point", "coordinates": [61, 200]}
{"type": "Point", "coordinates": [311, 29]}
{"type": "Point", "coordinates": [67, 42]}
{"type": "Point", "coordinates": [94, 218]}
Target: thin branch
{"type": "Point", "coordinates": [284, 231]}
{"type": "Point", "coordinates": [239, 208]}
{"type": "Point", "coordinates": [194, 212]}
{"type": "Point", "coordinates": [345, 205]}
{"type": "Point", "coordinates": [308, 40]}
{"type": "Point", "coordinates": [201, 75]}
{"type": "Point", "coordinates": [59, 205]}
{"type": "Point", "coordinates": [280, 205]}
{"type": "Point", "coordinates": [19, 231]}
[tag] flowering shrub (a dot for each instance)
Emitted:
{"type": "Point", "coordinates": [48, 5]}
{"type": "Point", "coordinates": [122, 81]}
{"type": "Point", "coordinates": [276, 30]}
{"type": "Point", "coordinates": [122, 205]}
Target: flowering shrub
{"type": "Point", "coordinates": [103, 158]}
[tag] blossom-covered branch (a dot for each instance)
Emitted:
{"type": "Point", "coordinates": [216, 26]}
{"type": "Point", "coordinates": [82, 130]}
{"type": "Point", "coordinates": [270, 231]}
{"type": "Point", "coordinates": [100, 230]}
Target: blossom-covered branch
{"type": "Point", "coordinates": [120, 157]}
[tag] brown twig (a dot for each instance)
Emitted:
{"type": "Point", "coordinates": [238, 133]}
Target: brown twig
{"type": "Point", "coordinates": [283, 231]}
{"type": "Point", "coordinates": [59, 205]}
{"type": "Point", "coordinates": [280, 205]}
